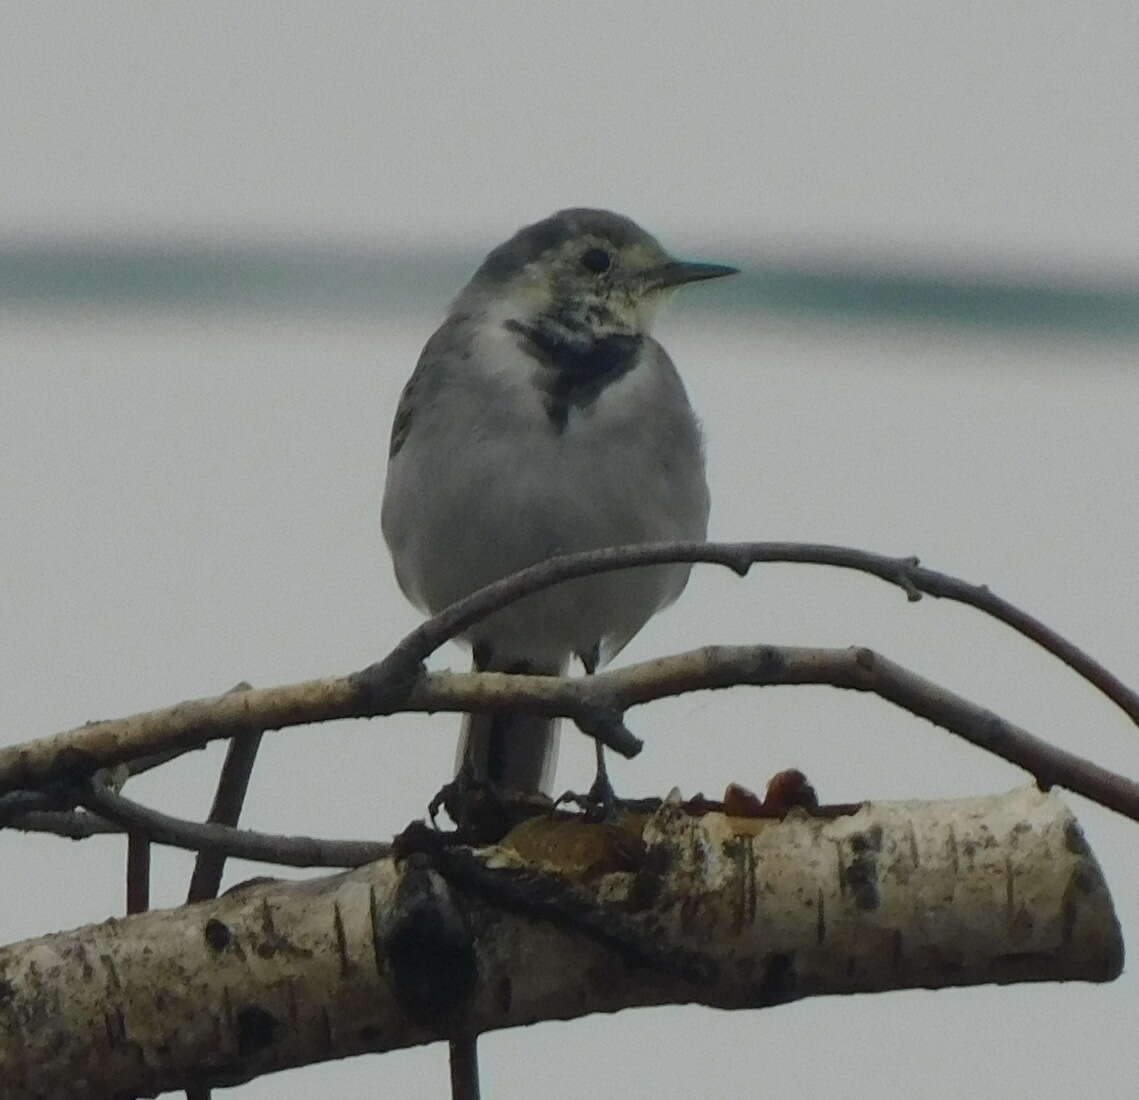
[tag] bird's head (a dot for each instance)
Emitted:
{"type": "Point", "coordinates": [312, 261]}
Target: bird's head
{"type": "Point", "coordinates": [581, 268]}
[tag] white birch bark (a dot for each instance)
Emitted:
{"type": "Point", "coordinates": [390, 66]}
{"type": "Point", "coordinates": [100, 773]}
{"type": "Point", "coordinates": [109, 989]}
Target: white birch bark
{"type": "Point", "coordinates": [730, 912]}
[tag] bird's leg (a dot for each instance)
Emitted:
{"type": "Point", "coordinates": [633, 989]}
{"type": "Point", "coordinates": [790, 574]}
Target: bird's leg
{"type": "Point", "coordinates": [480, 799]}
{"type": "Point", "coordinates": [456, 796]}
{"type": "Point", "coordinates": [601, 794]}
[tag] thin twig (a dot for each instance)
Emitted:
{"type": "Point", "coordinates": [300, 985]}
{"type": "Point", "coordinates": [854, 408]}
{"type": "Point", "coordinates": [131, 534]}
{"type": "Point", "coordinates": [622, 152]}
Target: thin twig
{"type": "Point", "coordinates": [69, 824]}
{"type": "Point", "coordinates": [138, 872]}
{"type": "Point", "coordinates": [233, 782]}
{"type": "Point", "coordinates": [709, 668]}
{"type": "Point", "coordinates": [464, 1061]}
{"type": "Point", "coordinates": [611, 693]}
{"type": "Point", "coordinates": [714, 667]}
{"type": "Point", "coordinates": [905, 572]}
{"type": "Point", "coordinates": [287, 851]}
{"type": "Point", "coordinates": [383, 688]}
{"type": "Point", "coordinates": [16, 805]}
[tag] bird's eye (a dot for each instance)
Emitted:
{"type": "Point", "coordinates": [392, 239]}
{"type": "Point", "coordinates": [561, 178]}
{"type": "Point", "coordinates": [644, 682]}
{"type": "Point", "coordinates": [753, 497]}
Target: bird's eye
{"type": "Point", "coordinates": [596, 259]}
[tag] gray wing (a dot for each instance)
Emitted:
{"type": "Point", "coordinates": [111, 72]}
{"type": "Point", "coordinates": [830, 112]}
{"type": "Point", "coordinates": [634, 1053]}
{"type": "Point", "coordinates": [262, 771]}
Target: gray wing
{"type": "Point", "coordinates": [448, 339]}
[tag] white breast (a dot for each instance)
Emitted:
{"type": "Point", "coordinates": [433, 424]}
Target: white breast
{"type": "Point", "coordinates": [485, 485]}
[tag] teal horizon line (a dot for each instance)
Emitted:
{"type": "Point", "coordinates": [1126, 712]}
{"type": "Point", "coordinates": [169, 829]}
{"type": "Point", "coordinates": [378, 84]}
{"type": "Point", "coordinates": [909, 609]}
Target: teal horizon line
{"type": "Point", "coordinates": [78, 274]}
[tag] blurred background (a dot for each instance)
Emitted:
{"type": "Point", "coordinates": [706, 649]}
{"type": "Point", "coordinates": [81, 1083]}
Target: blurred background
{"type": "Point", "coordinates": [226, 232]}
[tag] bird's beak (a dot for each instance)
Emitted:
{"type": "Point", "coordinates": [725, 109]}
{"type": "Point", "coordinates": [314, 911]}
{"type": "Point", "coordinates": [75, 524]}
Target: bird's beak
{"type": "Point", "coordinates": [679, 272]}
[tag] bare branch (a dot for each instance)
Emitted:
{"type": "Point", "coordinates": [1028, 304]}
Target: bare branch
{"type": "Point", "coordinates": [906, 573]}
{"type": "Point", "coordinates": [138, 872]}
{"type": "Point", "coordinates": [287, 851]}
{"type": "Point", "coordinates": [728, 912]}
{"type": "Point", "coordinates": [187, 725]}
{"type": "Point", "coordinates": [382, 688]}
{"type": "Point", "coordinates": [229, 797]}
{"type": "Point", "coordinates": [284, 851]}
{"type": "Point", "coordinates": [70, 824]}
{"type": "Point", "coordinates": [591, 701]}
{"type": "Point", "coordinates": [233, 782]}
{"type": "Point", "coordinates": [15, 805]}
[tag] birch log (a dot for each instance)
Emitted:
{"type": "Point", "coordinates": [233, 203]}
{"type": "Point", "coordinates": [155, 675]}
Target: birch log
{"type": "Point", "coordinates": [551, 924]}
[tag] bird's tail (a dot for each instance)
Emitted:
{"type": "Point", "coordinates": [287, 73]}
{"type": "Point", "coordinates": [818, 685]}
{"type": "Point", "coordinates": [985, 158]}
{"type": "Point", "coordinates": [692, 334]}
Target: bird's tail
{"type": "Point", "coordinates": [511, 749]}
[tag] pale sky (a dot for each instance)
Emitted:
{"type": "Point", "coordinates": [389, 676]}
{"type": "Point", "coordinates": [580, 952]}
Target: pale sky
{"type": "Point", "coordinates": [994, 133]}
{"type": "Point", "coordinates": [191, 495]}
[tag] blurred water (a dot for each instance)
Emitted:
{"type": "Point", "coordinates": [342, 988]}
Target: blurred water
{"type": "Point", "coordinates": [234, 277]}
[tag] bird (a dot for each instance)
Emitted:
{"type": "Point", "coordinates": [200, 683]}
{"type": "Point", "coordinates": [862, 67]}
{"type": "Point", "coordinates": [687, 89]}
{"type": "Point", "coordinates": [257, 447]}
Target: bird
{"type": "Point", "coordinates": [542, 418]}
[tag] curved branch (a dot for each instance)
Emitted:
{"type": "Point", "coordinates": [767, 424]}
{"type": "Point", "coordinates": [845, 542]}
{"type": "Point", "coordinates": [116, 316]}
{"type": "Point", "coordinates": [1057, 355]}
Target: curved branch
{"type": "Point", "coordinates": [382, 688]}
{"type": "Point", "coordinates": [399, 665]}
{"type": "Point", "coordinates": [855, 668]}
{"type": "Point", "coordinates": [69, 824]}
{"type": "Point", "coordinates": [15, 805]}
{"type": "Point", "coordinates": [288, 851]}
{"type": "Point", "coordinates": [596, 702]}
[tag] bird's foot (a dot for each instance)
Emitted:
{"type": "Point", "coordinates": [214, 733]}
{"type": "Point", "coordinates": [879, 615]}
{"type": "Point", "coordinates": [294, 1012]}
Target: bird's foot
{"type": "Point", "coordinates": [449, 797]}
{"type": "Point", "coordinates": [484, 812]}
{"type": "Point", "coordinates": [599, 803]}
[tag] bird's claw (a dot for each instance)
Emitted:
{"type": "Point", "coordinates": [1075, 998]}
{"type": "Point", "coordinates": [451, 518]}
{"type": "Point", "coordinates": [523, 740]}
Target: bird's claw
{"type": "Point", "coordinates": [599, 803]}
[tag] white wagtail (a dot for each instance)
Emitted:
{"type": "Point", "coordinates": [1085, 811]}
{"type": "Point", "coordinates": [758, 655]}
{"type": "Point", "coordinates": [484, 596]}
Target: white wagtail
{"type": "Point", "coordinates": [541, 419]}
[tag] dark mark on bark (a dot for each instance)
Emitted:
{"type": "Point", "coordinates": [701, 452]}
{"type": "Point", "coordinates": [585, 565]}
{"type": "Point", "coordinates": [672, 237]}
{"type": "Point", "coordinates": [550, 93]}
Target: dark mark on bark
{"type": "Point", "coordinates": [115, 1027]}
{"type": "Point", "coordinates": [429, 949]}
{"type": "Point", "coordinates": [1074, 840]}
{"type": "Point", "coordinates": [217, 934]}
{"type": "Point", "coordinates": [255, 1029]}
{"type": "Point", "coordinates": [779, 982]}
{"type": "Point", "coordinates": [575, 909]}
{"type": "Point", "coordinates": [341, 940]}
{"type": "Point", "coordinates": [860, 875]}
